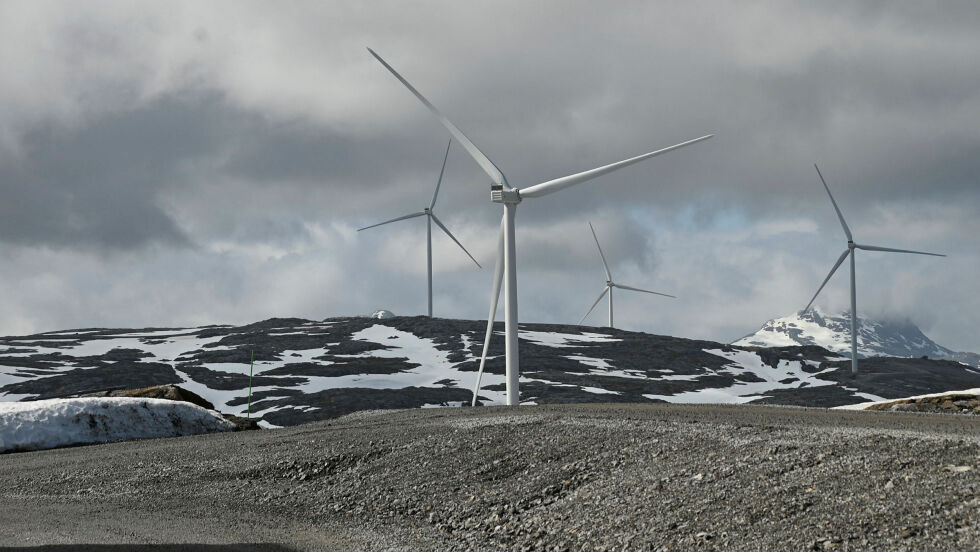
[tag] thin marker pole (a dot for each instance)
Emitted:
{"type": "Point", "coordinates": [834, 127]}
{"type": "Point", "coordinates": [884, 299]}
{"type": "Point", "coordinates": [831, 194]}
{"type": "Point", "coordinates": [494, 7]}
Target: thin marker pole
{"type": "Point", "coordinates": [251, 363]}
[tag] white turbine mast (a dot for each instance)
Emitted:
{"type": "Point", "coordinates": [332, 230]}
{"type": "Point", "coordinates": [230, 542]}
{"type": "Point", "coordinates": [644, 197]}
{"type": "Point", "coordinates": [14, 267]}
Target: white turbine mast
{"type": "Point", "coordinates": [851, 250]}
{"type": "Point", "coordinates": [610, 285]}
{"type": "Point", "coordinates": [502, 192]}
{"type": "Point", "coordinates": [429, 213]}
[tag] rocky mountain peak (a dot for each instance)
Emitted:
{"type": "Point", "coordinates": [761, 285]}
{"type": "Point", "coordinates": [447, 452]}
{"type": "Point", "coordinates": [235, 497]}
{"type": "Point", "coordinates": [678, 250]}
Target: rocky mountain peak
{"type": "Point", "coordinates": [876, 337]}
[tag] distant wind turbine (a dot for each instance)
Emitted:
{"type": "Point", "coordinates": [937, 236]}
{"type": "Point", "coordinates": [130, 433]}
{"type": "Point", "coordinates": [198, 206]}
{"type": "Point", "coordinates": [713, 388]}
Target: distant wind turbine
{"type": "Point", "coordinates": [610, 285]}
{"type": "Point", "coordinates": [851, 247]}
{"type": "Point", "coordinates": [502, 192]}
{"type": "Point", "coordinates": [431, 217]}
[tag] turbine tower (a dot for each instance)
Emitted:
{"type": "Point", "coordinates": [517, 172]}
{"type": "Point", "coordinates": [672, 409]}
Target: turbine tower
{"type": "Point", "coordinates": [502, 192]}
{"type": "Point", "coordinates": [431, 217]}
{"type": "Point", "coordinates": [851, 250]}
{"type": "Point", "coordinates": [610, 285]}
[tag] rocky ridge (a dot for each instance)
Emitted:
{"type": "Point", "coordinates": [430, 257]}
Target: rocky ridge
{"type": "Point", "coordinates": [309, 370]}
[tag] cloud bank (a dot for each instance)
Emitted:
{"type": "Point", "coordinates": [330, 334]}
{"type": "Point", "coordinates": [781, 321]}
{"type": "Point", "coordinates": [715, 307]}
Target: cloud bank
{"type": "Point", "coordinates": [187, 162]}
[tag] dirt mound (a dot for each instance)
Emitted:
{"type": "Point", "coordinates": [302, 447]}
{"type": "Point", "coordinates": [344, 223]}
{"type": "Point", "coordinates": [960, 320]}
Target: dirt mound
{"type": "Point", "coordinates": [175, 393]}
{"type": "Point", "coordinates": [950, 403]}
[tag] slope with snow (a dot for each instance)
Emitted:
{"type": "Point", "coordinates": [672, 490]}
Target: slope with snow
{"type": "Point", "coordinates": [309, 370]}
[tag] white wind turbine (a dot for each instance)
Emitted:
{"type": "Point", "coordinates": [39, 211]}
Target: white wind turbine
{"type": "Point", "coordinates": [610, 285]}
{"type": "Point", "coordinates": [851, 247]}
{"type": "Point", "coordinates": [431, 217]}
{"type": "Point", "coordinates": [502, 192]}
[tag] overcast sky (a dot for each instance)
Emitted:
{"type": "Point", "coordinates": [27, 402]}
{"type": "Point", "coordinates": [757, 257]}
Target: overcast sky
{"type": "Point", "coordinates": [178, 163]}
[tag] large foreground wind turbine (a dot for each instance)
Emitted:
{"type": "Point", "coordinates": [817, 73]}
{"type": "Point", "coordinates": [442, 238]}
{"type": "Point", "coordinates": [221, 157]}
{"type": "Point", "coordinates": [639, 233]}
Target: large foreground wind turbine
{"type": "Point", "coordinates": [851, 247]}
{"type": "Point", "coordinates": [610, 285]}
{"type": "Point", "coordinates": [431, 217]}
{"type": "Point", "coordinates": [502, 192]}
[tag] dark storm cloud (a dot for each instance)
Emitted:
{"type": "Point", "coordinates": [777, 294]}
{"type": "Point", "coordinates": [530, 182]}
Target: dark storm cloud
{"type": "Point", "coordinates": [315, 157]}
{"type": "Point", "coordinates": [97, 186]}
{"type": "Point", "coordinates": [100, 185]}
{"type": "Point", "coordinates": [581, 97]}
{"type": "Point", "coordinates": [948, 18]}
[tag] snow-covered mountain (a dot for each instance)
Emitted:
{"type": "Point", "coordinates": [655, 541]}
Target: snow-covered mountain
{"type": "Point", "coordinates": [309, 370]}
{"type": "Point", "coordinates": [833, 332]}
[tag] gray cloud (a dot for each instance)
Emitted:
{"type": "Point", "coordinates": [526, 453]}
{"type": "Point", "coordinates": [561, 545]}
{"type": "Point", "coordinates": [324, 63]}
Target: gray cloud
{"type": "Point", "coordinates": [224, 153]}
{"type": "Point", "coordinates": [97, 185]}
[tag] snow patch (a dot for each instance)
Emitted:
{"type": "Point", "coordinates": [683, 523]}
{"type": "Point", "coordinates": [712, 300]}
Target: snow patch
{"type": "Point", "coordinates": [588, 361]}
{"type": "Point", "coordinates": [599, 391]}
{"type": "Point", "coordinates": [37, 425]}
{"type": "Point", "coordinates": [557, 339]}
{"type": "Point", "coordinates": [745, 362]}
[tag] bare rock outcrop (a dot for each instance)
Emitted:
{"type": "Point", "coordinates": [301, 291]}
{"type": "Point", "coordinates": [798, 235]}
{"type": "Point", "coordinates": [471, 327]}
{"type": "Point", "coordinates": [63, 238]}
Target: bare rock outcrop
{"type": "Point", "coordinates": [950, 403]}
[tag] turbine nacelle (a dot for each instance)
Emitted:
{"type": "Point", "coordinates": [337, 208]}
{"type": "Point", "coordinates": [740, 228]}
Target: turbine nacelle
{"type": "Point", "coordinates": [508, 197]}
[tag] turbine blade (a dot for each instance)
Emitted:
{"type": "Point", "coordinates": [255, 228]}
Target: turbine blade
{"type": "Point", "coordinates": [498, 276]}
{"type": "Point", "coordinates": [643, 290]}
{"type": "Point", "coordinates": [441, 172]}
{"type": "Point", "coordinates": [876, 248]}
{"type": "Point", "coordinates": [601, 256]}
{"type": "Point", "coordinates": [485, 163]}
{"type": "Point", "coordinates": [413, 215]}
{"type": "Point", "coordinates": [832, 270]}
{"type": "Point", "coordinates": [847, 231]}
{"type": "Point", "coordinates": [601, 295]}
{"type": "Point", "coordinates": [450, 234]}
{"type": "Point", "coordinates": [552, 186]}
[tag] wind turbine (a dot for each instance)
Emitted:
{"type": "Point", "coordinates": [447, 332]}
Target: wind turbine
{"type": "Point", "coordinates": [851, 247]}
{"type": "Point", "coordinates": [610, 285]}
{"type": "Point", "coordinates": [502, 192]}
{"type": "Point", "coordinates": [431, 217]}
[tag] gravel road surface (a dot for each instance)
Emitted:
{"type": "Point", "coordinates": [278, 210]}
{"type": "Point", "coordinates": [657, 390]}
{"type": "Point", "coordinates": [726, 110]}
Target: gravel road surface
{"type": "Point", "coordinates": [568, 477]}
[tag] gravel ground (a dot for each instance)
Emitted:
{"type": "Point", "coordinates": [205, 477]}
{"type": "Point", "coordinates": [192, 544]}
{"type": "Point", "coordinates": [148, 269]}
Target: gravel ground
{"type": "Point", "coordinates": [569, 477]}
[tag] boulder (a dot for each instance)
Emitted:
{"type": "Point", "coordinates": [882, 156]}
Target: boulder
{"type": "Point", "coordinates": [176, 393]}
{"type": "Point", "coordinates": [169, 392]}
